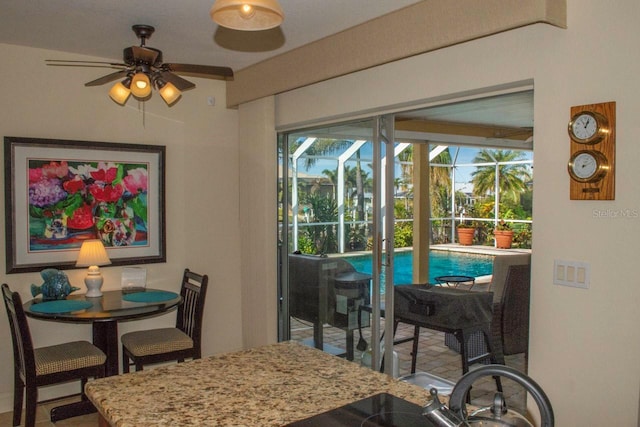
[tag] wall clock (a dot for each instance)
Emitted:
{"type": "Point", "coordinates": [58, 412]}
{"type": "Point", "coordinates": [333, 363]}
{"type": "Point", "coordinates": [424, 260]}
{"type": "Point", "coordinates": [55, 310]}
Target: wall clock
{"type": "Point", "coordinates": [588, 127]}
{"type": "Point", "coordinates": [591, 163]}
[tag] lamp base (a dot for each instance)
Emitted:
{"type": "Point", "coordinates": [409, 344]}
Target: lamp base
{"type": "Point", "coordinates": [93, 280]}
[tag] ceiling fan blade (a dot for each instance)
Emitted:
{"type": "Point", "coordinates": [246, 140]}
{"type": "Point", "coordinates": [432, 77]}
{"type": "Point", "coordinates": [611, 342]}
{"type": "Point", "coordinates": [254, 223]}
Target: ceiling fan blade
{"type": "Point", "coordinates": [111, 67]}
{"type": "Point", "coordinates": [206, 71]}
{"type": "Point", "coordinates": [180, 83]}
{"type": "Point", "coordinates": [67, 63]}
{"type": "Point", "coordinates": [108, 78]}
{"type": "Point", "coordinates": [145, 55]}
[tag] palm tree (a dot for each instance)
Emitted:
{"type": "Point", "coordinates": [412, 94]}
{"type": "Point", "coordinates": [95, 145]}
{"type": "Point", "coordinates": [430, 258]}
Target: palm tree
{"type": "Point", "coordinates": [325, 210]}
{"type": "Point", "coordinates": [512, 177]}
{"type": "Point", "coordinates": [439, 179]}
{"type": "Point", "coordinates": [324, 147]}
{"type": "Point", "coordinates": [332, 175]}
{"type": "Point", "coordinates": [440, 184]}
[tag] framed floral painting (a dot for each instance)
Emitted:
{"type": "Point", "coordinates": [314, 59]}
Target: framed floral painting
{"type": "Point", "coordinates": [59, 193]}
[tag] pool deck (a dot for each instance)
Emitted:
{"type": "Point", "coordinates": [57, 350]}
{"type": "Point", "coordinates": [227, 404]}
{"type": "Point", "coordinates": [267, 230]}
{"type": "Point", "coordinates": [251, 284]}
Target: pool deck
{"type": "Point", "coordinates": [451, 247]}
{"type": "Point", "coordinates": [477, 249]}
{"type": "Point", "coordinates": [480, 250]}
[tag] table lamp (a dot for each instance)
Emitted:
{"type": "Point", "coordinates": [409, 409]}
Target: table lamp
{"type": "Point", "coordinates": [93, 254]}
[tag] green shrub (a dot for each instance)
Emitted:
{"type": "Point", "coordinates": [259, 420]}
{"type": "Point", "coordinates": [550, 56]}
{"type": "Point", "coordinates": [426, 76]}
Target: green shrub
{"type": "Point", "coordinates": [305, 245]}
{"type": "Point", "coordinates": [403, 235]}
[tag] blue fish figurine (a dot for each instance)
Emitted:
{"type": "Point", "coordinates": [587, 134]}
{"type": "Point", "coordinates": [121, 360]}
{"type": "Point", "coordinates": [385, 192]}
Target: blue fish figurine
{"type": "Point", "coordinates": [56, 285]}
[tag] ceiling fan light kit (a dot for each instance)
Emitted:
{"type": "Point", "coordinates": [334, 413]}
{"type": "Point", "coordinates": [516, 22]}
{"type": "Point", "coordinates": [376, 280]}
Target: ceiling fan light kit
{"type": "Point", "coordinates": [143, 70]}
{"type": "Point", "coordinates": [247, 15]}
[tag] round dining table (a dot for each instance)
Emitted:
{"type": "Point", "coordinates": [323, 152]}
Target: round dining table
{"type": "Point", "coordinates": [103, 313]}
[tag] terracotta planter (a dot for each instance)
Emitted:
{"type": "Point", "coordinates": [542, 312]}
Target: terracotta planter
{"type": "Point", "coordinates": [465, 236]}
{"type": "Point", "coordinates": [503, 238]}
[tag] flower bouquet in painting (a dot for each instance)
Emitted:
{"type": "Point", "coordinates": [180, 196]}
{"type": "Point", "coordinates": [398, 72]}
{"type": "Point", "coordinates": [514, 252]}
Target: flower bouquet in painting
{"type": "Point", "coordinates": [71, 201]}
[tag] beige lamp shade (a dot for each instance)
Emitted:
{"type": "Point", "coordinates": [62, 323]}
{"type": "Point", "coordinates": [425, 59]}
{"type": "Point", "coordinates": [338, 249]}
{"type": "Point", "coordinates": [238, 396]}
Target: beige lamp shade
{"type": "Point", "coordinates": [92, 252]}
{"type": "Point", "coordinates": [140, 85]}
{"type": "Point", "coordinates": [247, 15]}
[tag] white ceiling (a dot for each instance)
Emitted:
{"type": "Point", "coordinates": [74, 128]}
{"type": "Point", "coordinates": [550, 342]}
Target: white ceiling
{"type": "Point", "coordinates": [184, 30]}
{"type": "Point", "coordinates": [185, 34]}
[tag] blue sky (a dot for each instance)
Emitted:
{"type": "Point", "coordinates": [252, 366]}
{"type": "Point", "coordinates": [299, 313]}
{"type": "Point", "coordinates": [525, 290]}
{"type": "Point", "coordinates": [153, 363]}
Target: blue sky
{"type": "Point", "coordinates": [463, 174]}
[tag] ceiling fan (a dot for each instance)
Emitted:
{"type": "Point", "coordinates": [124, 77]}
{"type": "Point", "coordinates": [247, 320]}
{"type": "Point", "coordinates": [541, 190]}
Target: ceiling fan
{"type": "Point", "coordinates": [143, 68]}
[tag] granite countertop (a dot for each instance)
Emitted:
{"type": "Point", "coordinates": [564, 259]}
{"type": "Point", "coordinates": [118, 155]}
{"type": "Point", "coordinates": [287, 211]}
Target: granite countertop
{"type": "Point", "coordinates": [265, 386]}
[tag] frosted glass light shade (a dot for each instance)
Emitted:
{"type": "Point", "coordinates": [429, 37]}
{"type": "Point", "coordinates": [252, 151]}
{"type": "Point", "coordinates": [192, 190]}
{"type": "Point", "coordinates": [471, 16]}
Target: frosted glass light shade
{"type": "Point", "coordinates": [140, 85]}
{"type": "Point", "coordinates": [247, 15]}
{"type": "Point", "coordinates": [169, 93]}
{"type": "Point", "coordinates": [119, 93]}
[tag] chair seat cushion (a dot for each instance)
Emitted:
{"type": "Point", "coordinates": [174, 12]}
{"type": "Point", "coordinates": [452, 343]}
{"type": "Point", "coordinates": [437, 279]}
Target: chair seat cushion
{"type": "Point", "coordinates": [67, 357]}
{"type": "Point", "coordinates": [156, 341]}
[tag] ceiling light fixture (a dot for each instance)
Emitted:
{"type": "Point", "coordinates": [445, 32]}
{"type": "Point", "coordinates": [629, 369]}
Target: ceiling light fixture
{"type": "Point", "coordinates": [247, 15]}
{"type": "Point", "coordinates": [139, 84]}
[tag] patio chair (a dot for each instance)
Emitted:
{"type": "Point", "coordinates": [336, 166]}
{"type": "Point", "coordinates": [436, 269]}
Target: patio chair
{"type": "Point", "coordinates": [510, 285]}
{"type": "Point", "coordinates": [35, 367]}
{"type": "Point", "coordinates": [510, 324]}
{"type": "Point", "coordinates": [168, 344]}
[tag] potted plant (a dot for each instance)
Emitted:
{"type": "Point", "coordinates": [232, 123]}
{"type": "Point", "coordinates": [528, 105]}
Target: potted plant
{"type": "Point", "coordinates": [503, 234]}
{"type": "Point", "coordinates": [466, 232]}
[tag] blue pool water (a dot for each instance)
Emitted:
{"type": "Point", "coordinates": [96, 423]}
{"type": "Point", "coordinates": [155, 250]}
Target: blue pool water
{"type": "Point", "coordinates": [441, 263]}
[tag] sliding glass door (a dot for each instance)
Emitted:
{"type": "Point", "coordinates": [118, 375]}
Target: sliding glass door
{"type": "Point", "coordinates": [361, 205]}
{"type": "Point", "coordinates": [331, 232]}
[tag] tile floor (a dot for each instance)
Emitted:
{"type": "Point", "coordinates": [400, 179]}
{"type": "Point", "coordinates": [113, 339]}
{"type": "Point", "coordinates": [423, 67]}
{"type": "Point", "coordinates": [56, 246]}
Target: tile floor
{"type": "Point", "coordinates": [433, 357]}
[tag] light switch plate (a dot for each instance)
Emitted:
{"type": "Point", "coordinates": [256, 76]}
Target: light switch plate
{"type": "Point", "coordinates": [571, 273]}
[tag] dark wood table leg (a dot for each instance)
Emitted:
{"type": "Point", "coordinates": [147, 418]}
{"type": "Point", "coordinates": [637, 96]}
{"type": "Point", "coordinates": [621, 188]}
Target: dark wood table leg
{"type": "Point", "coordinates": [105, 337]}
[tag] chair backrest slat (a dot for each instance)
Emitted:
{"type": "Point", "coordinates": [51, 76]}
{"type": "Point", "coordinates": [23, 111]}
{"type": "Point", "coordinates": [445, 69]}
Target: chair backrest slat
{"type": "Point", "coordinates": [191, 311]}
{"type": "Point", "coordinates": [23, 354]}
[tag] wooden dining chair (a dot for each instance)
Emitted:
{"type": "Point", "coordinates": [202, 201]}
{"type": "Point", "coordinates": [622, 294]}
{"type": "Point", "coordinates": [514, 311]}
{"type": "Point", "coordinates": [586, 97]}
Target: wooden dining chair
{"type": "Point", "coordinates": [35, 367]}
{"type": "Point", "coordinates": [168, 344]}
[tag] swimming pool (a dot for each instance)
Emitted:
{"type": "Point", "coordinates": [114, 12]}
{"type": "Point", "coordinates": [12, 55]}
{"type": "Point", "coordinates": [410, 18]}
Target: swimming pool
{"type": "Point", "coordinates": [441, 263]}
